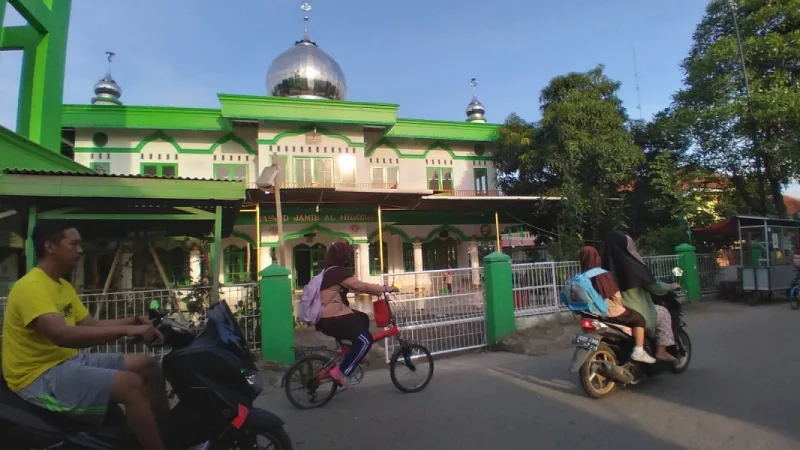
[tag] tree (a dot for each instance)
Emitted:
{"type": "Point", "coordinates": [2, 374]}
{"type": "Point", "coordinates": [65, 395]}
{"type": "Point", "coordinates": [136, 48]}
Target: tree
{"type": "Point", "coordinates": [729, 134]}
{"type": "Point", "coordinates": [581, 150]}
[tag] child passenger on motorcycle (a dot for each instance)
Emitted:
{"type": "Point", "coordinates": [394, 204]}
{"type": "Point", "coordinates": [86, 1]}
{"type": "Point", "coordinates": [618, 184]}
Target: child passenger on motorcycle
{"type": "Point", "coordinates": [338, 319]}
{"type": "Point", "coordinates": [637, 283]}
{"type": "Point", "coordinates": [606, 286]}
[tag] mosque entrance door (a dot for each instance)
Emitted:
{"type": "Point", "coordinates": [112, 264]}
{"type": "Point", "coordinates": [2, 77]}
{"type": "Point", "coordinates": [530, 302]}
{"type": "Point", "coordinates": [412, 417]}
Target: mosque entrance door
{"type": "Point", "coordinates": [308, 261]}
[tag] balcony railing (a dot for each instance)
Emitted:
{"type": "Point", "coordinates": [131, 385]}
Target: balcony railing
{"type": "Point", "coordinates": [333, 184]}
{"type": "Point", "coordinates": [469, 193]}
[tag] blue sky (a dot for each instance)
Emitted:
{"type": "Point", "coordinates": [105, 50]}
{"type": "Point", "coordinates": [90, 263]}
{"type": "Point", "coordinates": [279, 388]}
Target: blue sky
{"type": "Point", "coordinates": [419, 54]}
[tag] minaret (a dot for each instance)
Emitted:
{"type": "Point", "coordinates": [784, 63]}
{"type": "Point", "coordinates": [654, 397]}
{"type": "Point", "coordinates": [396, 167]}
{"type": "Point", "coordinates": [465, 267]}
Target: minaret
{"type": "Point", "coordinates": [475, 109]}
{"type": "Point", "coordinates": [107, 91]}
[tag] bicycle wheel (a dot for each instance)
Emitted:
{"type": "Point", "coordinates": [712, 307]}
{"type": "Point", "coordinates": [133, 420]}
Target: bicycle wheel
{"type": "Point", "coordinates": [415, 358]}
{"type": "Point", "coordinates": [794, 297]}
{"type": "Point", "coordinates": [307, 370]}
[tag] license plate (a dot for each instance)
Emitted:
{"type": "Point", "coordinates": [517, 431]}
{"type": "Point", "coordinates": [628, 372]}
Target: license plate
{"type": "Point", "coordinates": [586, 342]}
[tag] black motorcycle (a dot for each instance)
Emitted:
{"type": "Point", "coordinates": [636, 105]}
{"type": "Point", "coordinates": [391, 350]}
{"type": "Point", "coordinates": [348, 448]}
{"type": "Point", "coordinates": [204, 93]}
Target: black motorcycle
{"type": "Point", "coordinates": [213, 376]}
{"type": "Point", "coordinates": [603, 351]}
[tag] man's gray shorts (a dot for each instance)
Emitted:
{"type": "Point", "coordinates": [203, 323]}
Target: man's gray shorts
{"type": "Point", "coordinates": [80, 387]}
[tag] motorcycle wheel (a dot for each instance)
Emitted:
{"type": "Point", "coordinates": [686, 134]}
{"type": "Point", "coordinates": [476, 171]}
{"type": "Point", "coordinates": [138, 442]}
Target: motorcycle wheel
{"type": "Point", "coordinates": [684, 342]}
{"type": "Point", "coordinates": [595, 385]}
{"type": "Point", "coordinates": [270, 438]}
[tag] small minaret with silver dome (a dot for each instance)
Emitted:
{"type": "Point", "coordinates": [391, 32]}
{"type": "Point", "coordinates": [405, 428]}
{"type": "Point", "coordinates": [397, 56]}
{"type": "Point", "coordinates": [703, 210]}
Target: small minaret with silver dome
{"type": "Point", "coordinates": [475, 109]}
{"type": "Point", "coordinates": [305, 71]}
{"type": "Point", "coordinates": [107, 91]}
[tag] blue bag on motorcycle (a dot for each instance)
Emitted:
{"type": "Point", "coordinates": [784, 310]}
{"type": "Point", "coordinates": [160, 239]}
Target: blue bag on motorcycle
{"type": "Point", "coordinates": [580, 295]}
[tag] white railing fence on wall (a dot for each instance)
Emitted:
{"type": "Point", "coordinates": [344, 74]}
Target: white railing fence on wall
{"type": "Point", "coordinates": [443, 309]}
{"type": "Point", "coordinates": [242, 298]}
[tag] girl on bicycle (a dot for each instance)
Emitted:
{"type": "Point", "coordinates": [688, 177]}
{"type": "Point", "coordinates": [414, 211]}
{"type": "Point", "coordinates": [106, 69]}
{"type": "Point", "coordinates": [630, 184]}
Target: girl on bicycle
{"type": "Point", "coordinates": [338, 319]}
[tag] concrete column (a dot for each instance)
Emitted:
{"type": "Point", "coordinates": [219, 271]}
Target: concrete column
{"type": "Point", "coordinates": [474, 262]}
{"type": "Point", "coordinates": [463, 260]}
{"type": "Point", "coordinates": [195, 263]}
{"type": "Point", "coordinates": [418, 266]}
{"type": "Point", "coordinates": [126, 269]}
{"type": "Point", "coordinates": [362, 261]}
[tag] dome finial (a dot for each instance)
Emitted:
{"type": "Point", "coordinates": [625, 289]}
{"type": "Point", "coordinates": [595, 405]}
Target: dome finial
{"type": "Point", "coordinates": [107, 91]}
{"type": "Point", "coordinates": [475, 109]}
{"type": "Point", "coordinates": [305, 6]}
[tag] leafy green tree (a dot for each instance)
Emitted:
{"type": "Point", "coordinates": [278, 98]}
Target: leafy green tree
{"type": "Point", "coordinates": [581, 150]}
{"type": "Point", "coordinates": [713, 104]}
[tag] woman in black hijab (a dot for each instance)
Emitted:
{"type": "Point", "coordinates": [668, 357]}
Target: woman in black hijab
{"type": "Point", "coordinates": [636, 281]}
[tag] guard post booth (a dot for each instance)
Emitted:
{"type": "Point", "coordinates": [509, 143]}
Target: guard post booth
{"type": "Point", "coordinates": [765, 250]}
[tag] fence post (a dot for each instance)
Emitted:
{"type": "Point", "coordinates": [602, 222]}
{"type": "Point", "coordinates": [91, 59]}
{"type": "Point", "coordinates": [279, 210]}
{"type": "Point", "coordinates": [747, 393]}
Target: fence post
{"type": "Point", "coordinates": [500, 320]}
{"type": "Point", "coordinates": [277, 318]}
{"type": "Point", "coordinates": [690, 281]}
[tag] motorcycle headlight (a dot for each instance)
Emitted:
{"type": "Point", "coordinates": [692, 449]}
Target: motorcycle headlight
{"type": "Point", "coordinates": [255, 382]}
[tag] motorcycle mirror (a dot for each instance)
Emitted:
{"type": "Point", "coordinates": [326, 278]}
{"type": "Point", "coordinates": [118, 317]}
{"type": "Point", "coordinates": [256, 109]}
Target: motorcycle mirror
{"type": "Point", "coordinates": [677, 271]}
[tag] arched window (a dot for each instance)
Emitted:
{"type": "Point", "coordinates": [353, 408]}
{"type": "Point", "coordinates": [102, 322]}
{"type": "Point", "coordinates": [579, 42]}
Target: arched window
{"type": "Point", "coordinates": [234, 269]}
{"type": "Point", "coordinates": [375, 261]}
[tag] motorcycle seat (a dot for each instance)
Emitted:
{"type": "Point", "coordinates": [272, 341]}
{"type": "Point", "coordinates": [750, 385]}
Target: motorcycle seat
{"type": "Point", "coordinates": [15, 410]}
{"type": "Point", "coordinates": [609, 320]}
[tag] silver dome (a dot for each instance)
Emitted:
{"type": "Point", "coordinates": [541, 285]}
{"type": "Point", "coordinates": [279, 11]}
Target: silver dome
{"type": "Point", "coordinates": [475, 110]}
{"type": "Point", "coordinates": [305, 71]}
{"type": "Point", "coordinates": [107, 91]}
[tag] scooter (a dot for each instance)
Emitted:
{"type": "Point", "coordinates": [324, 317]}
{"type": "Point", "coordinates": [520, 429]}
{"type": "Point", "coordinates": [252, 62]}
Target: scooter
{"type": "Point", "coordinates": [213, 376]}
{"type": "Point", "coordinates": [603, 350]}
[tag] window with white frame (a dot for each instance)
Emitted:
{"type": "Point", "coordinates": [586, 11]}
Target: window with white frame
{"type": "Point", "coordinates": [313, 171]}
{"type": "Point", "coordinates": [385, 177]}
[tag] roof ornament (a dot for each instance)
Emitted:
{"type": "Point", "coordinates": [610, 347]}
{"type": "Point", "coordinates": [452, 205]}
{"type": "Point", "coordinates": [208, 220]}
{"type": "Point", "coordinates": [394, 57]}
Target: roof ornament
{"type": "Point", "coordinates": [475, 110]}
{"type": "Point", "coordinates": [306, 7]}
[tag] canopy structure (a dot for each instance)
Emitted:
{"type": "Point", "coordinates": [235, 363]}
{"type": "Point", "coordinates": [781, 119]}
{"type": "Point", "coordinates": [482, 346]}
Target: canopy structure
{"type": "Point", "coordinates": [766, 247]}
{"type": "Point", "coordinates": [395, 205]}
{"type": "Point", "coordinates": [124, 206]}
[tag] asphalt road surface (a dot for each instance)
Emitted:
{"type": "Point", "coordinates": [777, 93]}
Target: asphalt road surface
{"type": "Point", "coordinates": [742, 391]}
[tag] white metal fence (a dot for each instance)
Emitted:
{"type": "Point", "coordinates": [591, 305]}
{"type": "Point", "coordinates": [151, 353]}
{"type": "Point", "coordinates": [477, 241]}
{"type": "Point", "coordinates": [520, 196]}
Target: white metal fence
{"type": "Point", "coordinates": [186, 305]}
{"type": "Point", "coordinates": [442, 309]}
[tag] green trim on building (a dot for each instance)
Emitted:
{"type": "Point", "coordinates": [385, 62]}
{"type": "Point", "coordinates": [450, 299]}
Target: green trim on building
{"type": "Point", "coordinates": [303, 110]}
{"type": "Point", "coordinates": [444, 130]}
{"type": "Point", "coordinates": [449, 228]}
{"type": "Point", "coordinates": [308, 129]}
{"type": "Point", "coordinates": [246, 237]}
{"type": "Point", "coordinates": [385, 142]}
{"type": "Point", "coordinates": [230, 167]}
{"type": "Point", "coordinates": [317, 228]}
{"type": "Point", "coordinates": [163, 136]}
{"type": "Point", "coordinates": [406, 238]}
{"type": "Point", "coordinates": [144, 117]}
{"type": "Point", "coordinates": [159, 169]}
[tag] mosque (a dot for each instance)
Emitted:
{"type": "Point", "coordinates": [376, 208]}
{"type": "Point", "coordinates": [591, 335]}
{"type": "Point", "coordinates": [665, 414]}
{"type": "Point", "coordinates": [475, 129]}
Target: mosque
{"type": "Point", "coordinates": [318, 169]}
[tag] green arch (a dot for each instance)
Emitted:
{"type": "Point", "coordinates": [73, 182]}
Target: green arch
{"type": "Point", "coordinates": [318, 228]}
{"type": "Point", "coordinates": [406, 238]}
{"type": "Point", "coordinates": [155, 136]}
{"type": "Point", "coordinates": [459, 233]}
{"type": "Point", "coordinates": [385, 142]}
{"type": "Point", "coordinates": [232, 137]}
{"type": "Point", "coordinates": [246, 237]}
{"type": "Point", "coordinates": [306, 129]}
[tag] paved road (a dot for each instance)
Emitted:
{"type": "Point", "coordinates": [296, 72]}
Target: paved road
{"type": "Point", "coordinates": [742, 391]}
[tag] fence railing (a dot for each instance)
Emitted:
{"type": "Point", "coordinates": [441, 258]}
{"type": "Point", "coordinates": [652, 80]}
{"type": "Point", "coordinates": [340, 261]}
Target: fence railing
{"type": "Point", "coordinates": [188, 305]}
{"type": "Point", "coordinates": [443, 309]}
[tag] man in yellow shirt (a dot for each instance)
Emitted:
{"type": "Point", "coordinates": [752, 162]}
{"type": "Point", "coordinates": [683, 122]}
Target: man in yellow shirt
{"type": "Point", "coordinates": [45, 324]}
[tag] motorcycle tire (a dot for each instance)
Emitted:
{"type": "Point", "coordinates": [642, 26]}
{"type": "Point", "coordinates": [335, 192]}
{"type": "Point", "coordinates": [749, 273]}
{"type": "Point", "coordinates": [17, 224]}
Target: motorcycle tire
{"type": "Point", "coordinates": [682, 339]}
{"type": "Point", "coordinates": [585, 373]}
{"type": "Point", "coordinates": [277, 436]}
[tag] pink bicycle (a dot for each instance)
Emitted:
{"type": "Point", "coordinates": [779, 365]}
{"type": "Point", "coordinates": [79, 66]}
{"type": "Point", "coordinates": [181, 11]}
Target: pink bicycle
{"type": "Point", "coordinates": [313, 371]}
